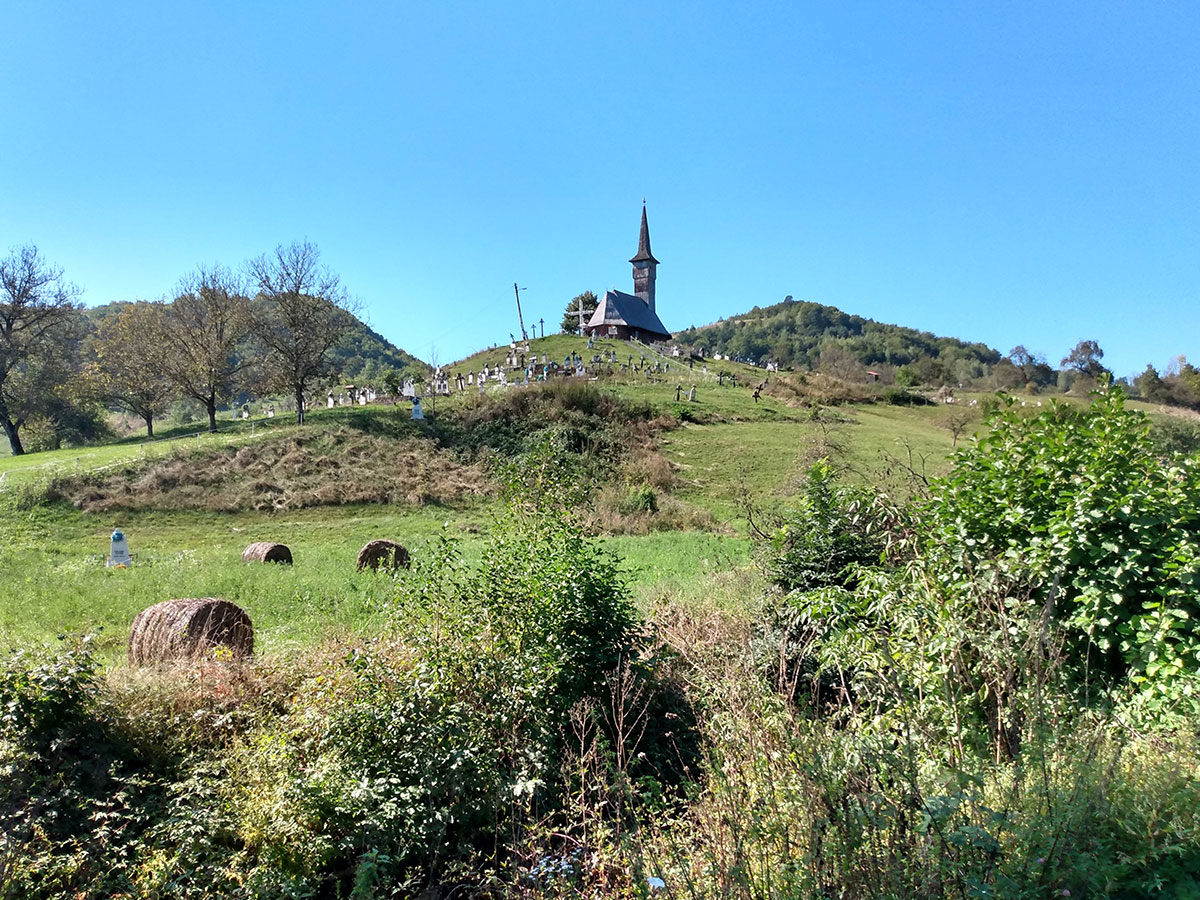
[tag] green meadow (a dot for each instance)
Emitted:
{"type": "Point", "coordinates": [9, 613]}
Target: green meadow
{"type": "Point", "coordinates": [724, 449]}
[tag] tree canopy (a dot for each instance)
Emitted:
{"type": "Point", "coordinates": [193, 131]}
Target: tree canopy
{"type": "Point", "coordinates": [40, 331]}
{"type": "Point", "coordinates": [588, 302]}
{"type": "Point", "coordinates": [303, 317]}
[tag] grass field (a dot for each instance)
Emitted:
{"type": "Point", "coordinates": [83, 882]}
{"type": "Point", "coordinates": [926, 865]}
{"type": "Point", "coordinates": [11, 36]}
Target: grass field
{"type": "Point", "coordinates": [727, 449]}
{"type": "Point", "coordinates": [56, 582]}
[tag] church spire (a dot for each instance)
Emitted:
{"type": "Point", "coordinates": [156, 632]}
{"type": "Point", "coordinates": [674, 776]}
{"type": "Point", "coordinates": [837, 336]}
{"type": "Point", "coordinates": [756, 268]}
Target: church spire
{"type": "Point", "coordinates": [643, 253]}
{"type": "Point", "coordinates": [644, 265]}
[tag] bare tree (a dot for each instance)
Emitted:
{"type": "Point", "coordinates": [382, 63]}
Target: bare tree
{"type": "Point", "coordinates": [956, 420]}
{"type": "Point", "coordinates": [201, 333]}
{"type": "Point", "coordinates": [39, 329]}
{"type": "Point", "coordinates": [305, 313]}
{"type": "Point", "coordinates": [125, 369]}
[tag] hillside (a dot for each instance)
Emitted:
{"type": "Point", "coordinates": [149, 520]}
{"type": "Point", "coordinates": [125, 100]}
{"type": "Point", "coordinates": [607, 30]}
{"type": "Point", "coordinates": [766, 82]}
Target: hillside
{"type": "Point", "coordinates": [617, 599]}
{"type": "Point", "coordinates": [363, 350]}
{"type": "Point", "coordinates": [800, 333]}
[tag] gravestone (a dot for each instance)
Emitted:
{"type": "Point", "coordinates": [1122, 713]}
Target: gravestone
{"type": "Point", "coordinates": [119, 556]}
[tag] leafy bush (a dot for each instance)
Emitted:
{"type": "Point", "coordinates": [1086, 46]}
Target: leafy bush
{"type": "Point", "coordinates": [1057, 563]}
{"type": "Point", "coordinates": [900, 396]}
{"type": "Point", "coordinates": [823, 540]}
{"type": "Point", "coordinates": [642, 498]}
{"type": "Point", "coordinates": [1077, 507]}
{"type": "Point", "coordinates": [435, 750]}
{"type": "Point", "coordinates": [1175, 436]}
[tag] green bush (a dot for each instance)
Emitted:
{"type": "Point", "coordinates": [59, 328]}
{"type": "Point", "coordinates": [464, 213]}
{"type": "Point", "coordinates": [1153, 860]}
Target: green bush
{"type": "Point", "coordinates": [1057, 564]}
{"type": "Point", "coordinates": [823, 540]}
{"type": "Point", "coordinates": [642, 498]}
{"type": "Point", "coordinates": [1076, 506]}
{"type": "Point", "coordinates": [900, 396]}
{"type": "Point", "coordinates": [435, 750]}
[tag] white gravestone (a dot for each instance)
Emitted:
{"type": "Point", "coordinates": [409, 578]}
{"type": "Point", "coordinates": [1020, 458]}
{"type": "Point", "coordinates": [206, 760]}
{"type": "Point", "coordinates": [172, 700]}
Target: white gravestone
{"type": "Point", "coordinates": [119, 556]}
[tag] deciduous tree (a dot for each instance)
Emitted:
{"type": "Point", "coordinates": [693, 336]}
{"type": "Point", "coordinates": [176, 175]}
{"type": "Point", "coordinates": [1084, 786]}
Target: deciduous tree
{"type": "Point", "coordinates": [126, 368]}
{"type": "Point", "coordinates": [40, 329]}
{"type": "Point", "coordinates": [305, 312]}
{"type": "Point", "coordinates": [1085, 359]}
{"type": "Point", "coordinates": [201, 333]}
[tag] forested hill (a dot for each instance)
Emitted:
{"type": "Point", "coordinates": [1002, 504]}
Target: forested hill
{"type": "Point", "coordinates": [798, 333]}
{"type": "Point", "coordinates": [362, 352]}
{"type": "Point", "coordinates": [366, 351]}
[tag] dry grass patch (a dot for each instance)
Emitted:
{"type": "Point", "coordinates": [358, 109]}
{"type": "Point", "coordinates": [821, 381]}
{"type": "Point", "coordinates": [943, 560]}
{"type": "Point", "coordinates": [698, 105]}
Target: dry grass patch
{"type": "Point", "coordinates": [318, 469]}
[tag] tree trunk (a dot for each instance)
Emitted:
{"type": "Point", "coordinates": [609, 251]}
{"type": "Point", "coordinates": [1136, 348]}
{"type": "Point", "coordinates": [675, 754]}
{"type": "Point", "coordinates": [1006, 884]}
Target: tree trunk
{"type": "Point", "coordinates": [14, 439]}
{"type": "Point", "coordinates": [211, 404]}
{"type": "Point", "coordinates": [149, 417]}
{"type": "Point", "coordinates": [299, 406]}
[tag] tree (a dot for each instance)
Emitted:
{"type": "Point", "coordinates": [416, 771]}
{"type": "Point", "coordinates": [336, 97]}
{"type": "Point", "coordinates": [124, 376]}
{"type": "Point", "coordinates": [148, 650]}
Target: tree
{"type": "Point", "coordinates": [124, 370]}
{"type": "Point", "coordinates": [588, 302]}
{"type": "Point", "coordinates": [1085, 359]}
{"type": "Point", "coordinates": [200, 335]}
{"type": "Point", "coordinates": [1150, 386]}
{"type": "Point", "coordinates": [1024, 360]}
{"type": "Point", "coordinates": [305, 313]}
{"type": "Point", "coordinates": [40, 329]}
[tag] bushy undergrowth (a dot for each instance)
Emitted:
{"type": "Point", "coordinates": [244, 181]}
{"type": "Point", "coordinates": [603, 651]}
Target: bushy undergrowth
{"type": "Point", "coordinates": [801, 806]}
{"type": "Point", "coordinates": [581, 419]}
{"type": "Point", "coordinates": [1006, 708]}
{"type": "Point", "coordinates": [445, 751]}
{"type": "Point", "coordinates": [990, 720]}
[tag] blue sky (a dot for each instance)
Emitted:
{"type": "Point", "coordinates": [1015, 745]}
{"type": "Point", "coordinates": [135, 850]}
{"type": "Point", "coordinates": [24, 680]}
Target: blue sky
{"type": "Point", "coordinates": [1008, 173]}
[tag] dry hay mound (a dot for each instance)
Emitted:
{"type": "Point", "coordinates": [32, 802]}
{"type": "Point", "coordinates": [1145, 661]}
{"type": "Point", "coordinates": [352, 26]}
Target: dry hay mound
{"type": "Point", "coordinates": [325, 468]}
{"type": "Point", "coordinates": [387, 554]}
{"type": "Point", "coordinates": [189, 629]}
{"type": "Point", "coordinates": [267, 551]}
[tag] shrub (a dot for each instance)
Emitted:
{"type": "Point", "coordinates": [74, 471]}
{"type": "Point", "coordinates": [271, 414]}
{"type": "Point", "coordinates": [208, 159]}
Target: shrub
{"type": "Point", "coordinates": [1057, 561]}
{"type": "Point", "coordinates": [899, 396]}
{"type": "Point", "coordinates": [1076, 505]}
{"type": "Point", "coordinates": [642, 498]}
{"type": "Point", "coordinates": [432, 752]}
{"type": "Point", "coordinates": [823, 540]}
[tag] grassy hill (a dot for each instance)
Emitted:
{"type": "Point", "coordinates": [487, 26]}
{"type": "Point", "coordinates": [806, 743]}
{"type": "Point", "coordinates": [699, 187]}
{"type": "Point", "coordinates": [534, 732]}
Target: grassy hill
{"type": "Point", "coordinates": [569, 713]}
{"type": "Point", "coordinates": [189, 500]}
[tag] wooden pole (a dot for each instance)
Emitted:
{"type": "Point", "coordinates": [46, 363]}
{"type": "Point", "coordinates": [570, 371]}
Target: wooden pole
{"type": "Point", "coordinates": [520, 318]}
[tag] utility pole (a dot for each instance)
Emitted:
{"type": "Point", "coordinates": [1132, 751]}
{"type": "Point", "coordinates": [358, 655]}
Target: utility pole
{"type": "Point", "coordinates": [520, 318]}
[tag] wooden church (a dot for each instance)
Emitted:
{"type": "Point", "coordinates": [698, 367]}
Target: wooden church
{"type": "Point", "coordinates": [631, 316]}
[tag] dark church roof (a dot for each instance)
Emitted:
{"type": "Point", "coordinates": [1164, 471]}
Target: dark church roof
{"type": "Point", "coordinates": [644, 253]}
{"type": "Point", "coordinates": [617, 308]}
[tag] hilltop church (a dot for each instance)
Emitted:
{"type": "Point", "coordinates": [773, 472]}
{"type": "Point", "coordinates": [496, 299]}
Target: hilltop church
{"type": "Point", "coordinates": [631, 316]}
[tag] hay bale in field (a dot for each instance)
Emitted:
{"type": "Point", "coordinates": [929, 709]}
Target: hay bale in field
{"type": "Point", "coordinates": [267, 551]}
{"type": "Point", "coordinates": [189, 629]}
{"type": "Point", "coordinates": [387, 554]}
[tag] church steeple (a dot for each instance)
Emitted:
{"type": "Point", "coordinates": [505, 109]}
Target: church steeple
{"type": "Point", "coordinates": [644, 265]}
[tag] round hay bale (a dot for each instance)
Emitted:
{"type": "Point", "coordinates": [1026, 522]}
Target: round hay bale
{"type": "Point", "coordinates": [387, 554]}
{"type": "Point", "coordinates": [188, 629]}
{"type": "Point", "coordinates": [267, 551]}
